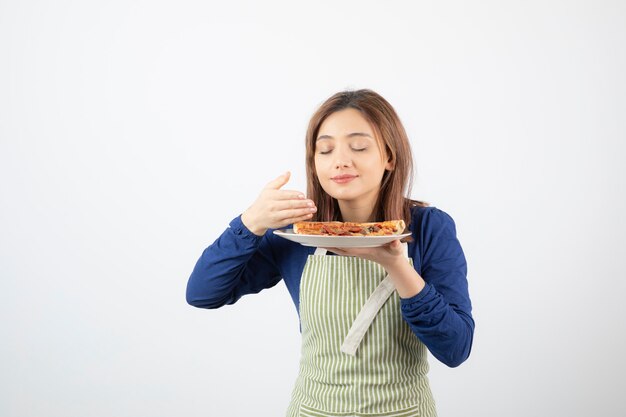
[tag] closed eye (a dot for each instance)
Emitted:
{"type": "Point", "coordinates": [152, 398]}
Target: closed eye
{"type": "Point", "coordinates": [354, 149]}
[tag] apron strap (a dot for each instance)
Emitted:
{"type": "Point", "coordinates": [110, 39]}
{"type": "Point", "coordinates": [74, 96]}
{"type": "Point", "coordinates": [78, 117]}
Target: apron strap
{"type": "Point", "coordinates": [366, 316]}
{"type": "Point", "coordinates": [320, 251]}
{"type": "Point", "coordinates": [369, 311]}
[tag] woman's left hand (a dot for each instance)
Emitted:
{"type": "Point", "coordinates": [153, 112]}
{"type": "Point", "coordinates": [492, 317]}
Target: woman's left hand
{"type": "Point", "coordinates": [387, 255]}
{"type": "Point", "coordinates": [391, 257]}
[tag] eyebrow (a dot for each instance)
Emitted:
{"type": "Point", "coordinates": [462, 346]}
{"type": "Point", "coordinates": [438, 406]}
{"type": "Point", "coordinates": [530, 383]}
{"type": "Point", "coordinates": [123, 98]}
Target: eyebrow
{"type": "Point", "coordinates": [351, 135]}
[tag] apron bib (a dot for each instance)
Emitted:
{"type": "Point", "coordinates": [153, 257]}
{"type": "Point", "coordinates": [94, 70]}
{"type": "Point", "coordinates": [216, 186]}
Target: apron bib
{"type": "Point", "coordinates": [350, 368]}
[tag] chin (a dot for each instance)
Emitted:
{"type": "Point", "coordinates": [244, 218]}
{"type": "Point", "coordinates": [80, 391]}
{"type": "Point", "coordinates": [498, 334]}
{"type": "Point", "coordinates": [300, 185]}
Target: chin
{"type": "Point", "coordinates": [343, 195]}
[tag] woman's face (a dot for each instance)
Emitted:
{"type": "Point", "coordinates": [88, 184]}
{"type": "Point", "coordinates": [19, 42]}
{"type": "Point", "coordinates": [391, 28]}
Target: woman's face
{"type": "Point", "coordinates": [348, 159]}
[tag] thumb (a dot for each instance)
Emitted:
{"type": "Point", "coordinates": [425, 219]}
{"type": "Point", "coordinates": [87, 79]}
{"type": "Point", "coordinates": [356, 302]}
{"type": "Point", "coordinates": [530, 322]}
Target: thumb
{"type": "Point", "coordinates": [279, 182]}
{"type": "Point", "coordinates": [395, 245]}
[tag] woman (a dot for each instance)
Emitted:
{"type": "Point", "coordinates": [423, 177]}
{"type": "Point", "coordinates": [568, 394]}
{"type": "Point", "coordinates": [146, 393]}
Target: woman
{"type": "Point", "coordinates": [357, 358]}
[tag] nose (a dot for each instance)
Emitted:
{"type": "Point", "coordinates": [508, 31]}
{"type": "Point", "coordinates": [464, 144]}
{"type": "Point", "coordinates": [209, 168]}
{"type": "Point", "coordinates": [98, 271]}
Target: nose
{"type": "Point", "coordinates": [343, 164]}
{"type": "Point", "coordinates": [342, 159]}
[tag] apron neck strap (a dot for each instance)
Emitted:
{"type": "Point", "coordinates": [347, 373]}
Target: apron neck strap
{"type": "Point", "coordinates": [320, 251]}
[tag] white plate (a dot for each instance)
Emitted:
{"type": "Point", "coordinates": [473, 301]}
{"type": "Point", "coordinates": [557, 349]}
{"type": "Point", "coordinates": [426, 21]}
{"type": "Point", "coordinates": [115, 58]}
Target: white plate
{"type": "Point", "coordinates": [338, 241]}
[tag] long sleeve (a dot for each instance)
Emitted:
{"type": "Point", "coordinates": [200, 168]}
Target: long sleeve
{"type": "Point", "coordinates": [237, 263]}
{"type": "Point", "coordinates": [440, 315]}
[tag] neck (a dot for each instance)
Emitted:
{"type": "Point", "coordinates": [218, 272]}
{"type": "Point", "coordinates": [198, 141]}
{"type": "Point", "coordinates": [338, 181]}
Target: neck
{"type": "Point", "coordinates": [356, 213]}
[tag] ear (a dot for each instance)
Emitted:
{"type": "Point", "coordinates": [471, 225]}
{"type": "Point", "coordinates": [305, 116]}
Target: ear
{"type": "Point", "coordinates": [390, 164]}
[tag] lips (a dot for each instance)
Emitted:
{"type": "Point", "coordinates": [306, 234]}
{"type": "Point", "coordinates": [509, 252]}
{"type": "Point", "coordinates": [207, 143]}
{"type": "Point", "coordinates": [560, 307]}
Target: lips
{"type": "Point", "coordinates": [344, 178]}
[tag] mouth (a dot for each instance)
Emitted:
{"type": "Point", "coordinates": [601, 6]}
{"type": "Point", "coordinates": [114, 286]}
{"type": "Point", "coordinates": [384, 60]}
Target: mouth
{"type": "Point", "coordinates": [342, 179]}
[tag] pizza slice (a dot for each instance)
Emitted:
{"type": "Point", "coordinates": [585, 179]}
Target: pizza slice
{"type": "Point", "coordinates": [384, 228]}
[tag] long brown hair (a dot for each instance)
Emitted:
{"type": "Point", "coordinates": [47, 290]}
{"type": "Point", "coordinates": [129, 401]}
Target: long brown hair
{"type": "Point", "coordinates": [394, 197]}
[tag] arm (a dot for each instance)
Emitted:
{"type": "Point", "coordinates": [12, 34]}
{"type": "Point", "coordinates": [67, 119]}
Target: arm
{"type": "Point", "coordinates": [237, 263]}
{"type": "Point", "coordinates": [435, 305]}
{"type": "Point", "coordinates": [440, 314]}
{"type": "Point", "coordinates": [240, 261]}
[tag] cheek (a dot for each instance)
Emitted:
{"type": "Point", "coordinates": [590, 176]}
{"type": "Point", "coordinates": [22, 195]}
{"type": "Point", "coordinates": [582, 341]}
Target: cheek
{"type": "Point", "coordinates": [373, 163]}
{"type": "Point", "coordinates": [320, 166]}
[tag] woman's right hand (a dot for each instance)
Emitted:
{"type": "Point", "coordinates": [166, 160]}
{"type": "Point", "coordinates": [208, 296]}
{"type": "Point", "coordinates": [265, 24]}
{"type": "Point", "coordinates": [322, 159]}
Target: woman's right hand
{"type": "Point", "coordinates": [276, 208]}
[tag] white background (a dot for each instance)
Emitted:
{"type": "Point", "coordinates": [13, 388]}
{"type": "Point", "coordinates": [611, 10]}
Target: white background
{"type": "Point", "coordinates": [132, 132]}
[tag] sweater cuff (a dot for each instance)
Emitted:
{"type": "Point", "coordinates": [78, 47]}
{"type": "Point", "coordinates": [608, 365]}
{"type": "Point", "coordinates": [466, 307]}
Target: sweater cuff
{"type": "Point", "coordinates": [427, 292]}
{"type": "Point", "coordinates": [240, 229]}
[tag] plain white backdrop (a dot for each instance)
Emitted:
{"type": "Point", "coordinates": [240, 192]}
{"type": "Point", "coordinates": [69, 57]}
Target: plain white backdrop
{"type": "Point", "coordinates": [132, 132]}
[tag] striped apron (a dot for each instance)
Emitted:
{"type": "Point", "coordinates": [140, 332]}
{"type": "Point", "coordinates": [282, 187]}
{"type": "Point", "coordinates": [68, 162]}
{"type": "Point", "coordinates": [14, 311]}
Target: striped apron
{"type": "Point", "coordinates": [348, 366]}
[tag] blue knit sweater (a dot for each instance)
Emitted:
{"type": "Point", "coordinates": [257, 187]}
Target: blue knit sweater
{"type": "Point", "coordinates": [239, 263]}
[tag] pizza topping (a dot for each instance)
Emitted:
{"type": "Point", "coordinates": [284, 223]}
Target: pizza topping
{"type": "Point", "coordinates": [385, 228]}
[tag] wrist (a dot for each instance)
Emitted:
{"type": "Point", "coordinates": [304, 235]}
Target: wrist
{"type": "Point", "coordinates": [398, 266]}
{"type": "Point", "coordinates": [407, 281]}
{"type": "Point", "coordinates": [248, 221]}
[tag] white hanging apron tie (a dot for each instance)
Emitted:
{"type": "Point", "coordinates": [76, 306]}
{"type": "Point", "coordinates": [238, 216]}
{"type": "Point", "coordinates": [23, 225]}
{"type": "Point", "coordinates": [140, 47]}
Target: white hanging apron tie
{"type": "Point", "coordinates": [369, 311]}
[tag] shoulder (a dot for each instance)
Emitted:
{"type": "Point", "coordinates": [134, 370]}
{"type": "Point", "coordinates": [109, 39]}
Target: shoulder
{"type": "Point", "coordinates": [434, 237]}
{"type": "Point", "coordinates": [430, 220]}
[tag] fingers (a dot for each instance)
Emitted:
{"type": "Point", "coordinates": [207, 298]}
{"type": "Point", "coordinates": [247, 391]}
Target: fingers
{"type": "Point", "coordinates": [286, 217]}
{"type": "Point", "coordinates": [287, 195]}
{"type": "Point", "coordinates": [306, 212]}
{"type": "Point", "coordinates": [277, 183]}
{"type": "Point", "coordinates": [276, 208]}
{"type": "Point", "coordinates": [293, 220]}
{"type": "Point", "coordinates": [365, 253]}
{"type": "Point", "coordinates": [280, 205]}
{"type": "Point", "coordinates": [397, 247]}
